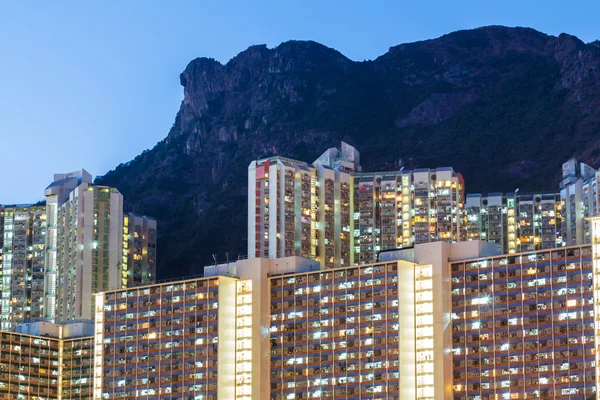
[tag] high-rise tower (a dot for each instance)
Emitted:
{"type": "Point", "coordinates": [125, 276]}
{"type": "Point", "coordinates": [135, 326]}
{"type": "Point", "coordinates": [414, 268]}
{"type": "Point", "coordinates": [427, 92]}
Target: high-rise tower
{"type": "Point", "coordinates": [23, 231]}
{"type": "Point", "coordinates": [332, 212]}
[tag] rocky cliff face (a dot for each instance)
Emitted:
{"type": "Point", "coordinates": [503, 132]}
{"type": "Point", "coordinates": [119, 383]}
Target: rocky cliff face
{"type": "Point", "coordinates": [504, 106]}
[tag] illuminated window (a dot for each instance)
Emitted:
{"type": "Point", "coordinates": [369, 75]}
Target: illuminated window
{"type": "Point", "coordinates": [480, 300]}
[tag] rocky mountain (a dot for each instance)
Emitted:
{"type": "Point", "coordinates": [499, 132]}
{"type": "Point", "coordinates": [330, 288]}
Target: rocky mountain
{"type": "Point", "coordinates": [504, 106]}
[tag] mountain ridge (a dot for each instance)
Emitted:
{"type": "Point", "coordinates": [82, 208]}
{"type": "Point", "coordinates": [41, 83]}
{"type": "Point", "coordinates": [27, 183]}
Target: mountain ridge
{"type": "Point", "coordinates": [504, 106]}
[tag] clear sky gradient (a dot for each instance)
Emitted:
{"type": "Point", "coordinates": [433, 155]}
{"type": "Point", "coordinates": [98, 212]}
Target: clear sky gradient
{"type": "Point", "coordinates": [94, 83]}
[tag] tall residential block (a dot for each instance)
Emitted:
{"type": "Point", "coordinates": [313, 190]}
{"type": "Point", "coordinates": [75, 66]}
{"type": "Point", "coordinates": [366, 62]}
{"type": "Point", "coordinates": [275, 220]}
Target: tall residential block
{"type": "Point", "coordinates": [89, 249]}
{"type": "Point", "coordinates": [92, 245]}
{"type": "Point", "coordinates": [23, 232]}
{"type": "Point", "coordinates": [297, 209]}
{"type": "Point", "coordinates": [139, 249]}
{"type": "Point", "coordinates": [579, 193]}
{"type": "Point", "coordinates": [368, 331]}
{"type": "Point", "coordinates": [332, 212]}
{"type": "Point", "coordinates": [520, 222]}
{"type": "Point", "coordinates": [404, 208]}
{"type": "Point", "coordinates": [55, 256]}
{"type": "Point", "coordinates": [517, 223]}
{"type": "Point", "coordinates": [57, 194]}
{"type": "Point", "coordinates": [47, 361]}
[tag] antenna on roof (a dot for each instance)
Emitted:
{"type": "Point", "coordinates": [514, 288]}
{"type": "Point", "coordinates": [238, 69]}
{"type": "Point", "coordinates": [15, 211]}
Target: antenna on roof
{"type": "Point", "coordinates": [214, 256]}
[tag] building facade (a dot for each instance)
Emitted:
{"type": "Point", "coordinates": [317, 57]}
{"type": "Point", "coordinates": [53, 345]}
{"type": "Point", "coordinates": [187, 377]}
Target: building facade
{"type": "Point", "coordinates": [139, 249]}
{"type": "Point", "coordinates": [47, 361]}
{"type": "Point", "coordinates": [435, 321]}
{"type": "Point", "coordinates": [297, 209]}
{"type": "Point", "coordinates": [523, 325]}
{"type": "Point", "coordinates": [57, 194]}
{"type": "Point", "coordinates": [400, 209]}
{"type": "Point", "coordinates": [517, 223]}
{"type": "Point", "coordinates": [179, 337]}
{"type": "Point", "coordinates": [91, 246]}
{"type": "Point", "coordinates": [89, 249]}
{"type": "Point", "coordinates": [368, 331]}
{"type": "Point", "coordinates": [23, 231]}
{"type": "Point", "coordinates": [302, 209]}
{"type": "Point", "coordinates": [579, 194]}
{"type": "Point", "coordinates": [537, 221]}
{"type": "Point", "coordinates": [332, 212]}
{"type": "Point", "coordinates": [55, 256]}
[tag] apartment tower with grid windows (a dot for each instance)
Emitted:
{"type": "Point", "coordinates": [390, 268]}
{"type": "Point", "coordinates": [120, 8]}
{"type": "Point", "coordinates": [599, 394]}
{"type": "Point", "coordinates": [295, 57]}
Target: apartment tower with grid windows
{"type": "Point", "coordinates": [523, 325]}
{"type": "Point", "coordinates": [298, 209]}
{"type": "Point", "coordinates": [91, 245]}
{"type": "Point", "coordinates": [139, 249]}
{"type": "Point", "coordinates": [526, 222]}
{"type": "Point", "coordinates": [22, 253]}
{"type": "Point", "coordinates": [516, 222]}
{"type": "Point", "coordinates": [333, 212]}
{"type": "Point", "coordinates": [57, 194]}
{"type": "Point", "coordinates": [55, 256]}
{"type": "Point", "coordinates": [579, 195]}
{"type": "Point", "coordinates": [42, 360]}
{"type": "Point", "coordinates": [89, 249]}
{"type": "Point", "coordinates": [400, 209]}
{"type": "Point", "coordinates": [375, 330]}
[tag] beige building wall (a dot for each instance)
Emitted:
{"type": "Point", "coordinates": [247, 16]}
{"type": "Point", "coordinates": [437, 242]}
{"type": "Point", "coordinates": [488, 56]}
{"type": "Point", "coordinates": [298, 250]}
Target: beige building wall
{"type": "Point", "coordinates": [227, 346]}
{"type": "Point", "coordinates": [296, 209]}
{"type": "Point", "coordinates": [57, 193]}
{"type": "Point", "coordinates": [256, 271]}
{"type": "Point", "coordinates": [89, 249]}
{"type": "Point", "coordinates": [407, 330]}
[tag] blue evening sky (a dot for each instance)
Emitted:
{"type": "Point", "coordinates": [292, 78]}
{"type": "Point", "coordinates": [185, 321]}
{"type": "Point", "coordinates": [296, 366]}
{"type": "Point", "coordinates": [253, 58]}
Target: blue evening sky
{"type": "Point", "coordinates": [94, 83]}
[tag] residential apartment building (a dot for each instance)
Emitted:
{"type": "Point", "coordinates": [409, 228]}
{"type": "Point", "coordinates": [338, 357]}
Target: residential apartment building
{"type": "Point", "coordinates": [47, 361]}
{"type": "Point", "coordinates": [404, 208]}
{"type": "Point", "coordinates": [523, 325]}
{"type": "Point", "coordinates": [57, 194]}
{"type": "Point", "coordinates": [139, 249]}
{"type": "Point", "coordinates": [174, 331]}
{"type": "Point", "coordinates": [23, 232]}
{"type": "Point", "coordinates": [186, 340]}
{"type": "Point", "coordinates": [366, 331]}
{"type": "Point", "coordinates": [89, 249]}
{"type": "Point", "coordinates": [332, 212]}
{"type": "Point", "coordinates": [437, 320]}
{"type": "Point", "coordinates": [579, 194]}
{"type": "Point", "coordinates": [297, 209]}
{"type": "Point", "coordinates": [55, 256]}
{"type": "Point", "coordinates": [517, 223]}
{"type": "Point", "coordinates": [91, 245]}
